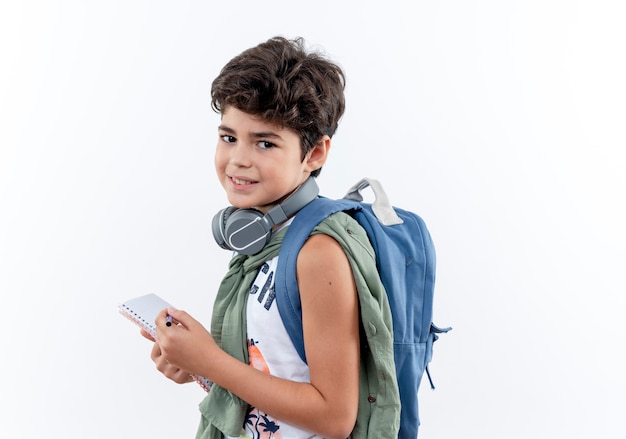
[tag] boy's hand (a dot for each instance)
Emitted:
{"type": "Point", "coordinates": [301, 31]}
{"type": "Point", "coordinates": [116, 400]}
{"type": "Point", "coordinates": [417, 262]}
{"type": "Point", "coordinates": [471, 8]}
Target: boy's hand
{"type": "Point", "coordinates": [185, 345]}
{"type": "Point", "coordinates": [169, 370]}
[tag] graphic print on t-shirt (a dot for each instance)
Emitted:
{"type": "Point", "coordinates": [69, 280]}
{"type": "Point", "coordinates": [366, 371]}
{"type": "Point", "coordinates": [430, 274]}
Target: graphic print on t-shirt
{"type": "Point", "coordinates": [270, 350]}
{"type": "Point", "coordinates": [256, 357]}
{"type": "Point", "coordinates": [259, 424]}
{"type": "Point", "coordinates": [268, 286]}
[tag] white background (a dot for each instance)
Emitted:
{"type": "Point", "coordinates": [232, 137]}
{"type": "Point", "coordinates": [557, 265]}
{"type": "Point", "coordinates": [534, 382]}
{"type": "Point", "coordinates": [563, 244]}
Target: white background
{"type": "Point", "coordinates": [501, 123]}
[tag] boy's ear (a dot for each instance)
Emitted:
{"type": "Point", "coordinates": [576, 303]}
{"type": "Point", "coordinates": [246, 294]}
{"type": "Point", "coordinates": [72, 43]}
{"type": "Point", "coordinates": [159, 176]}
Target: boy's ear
{"type": "Point", "coordinates": [317, 156]}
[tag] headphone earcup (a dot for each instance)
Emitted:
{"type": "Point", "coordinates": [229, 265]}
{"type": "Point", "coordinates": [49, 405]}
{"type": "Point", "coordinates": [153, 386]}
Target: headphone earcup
{"type": "Point", "coordinates": [218, 225]}
{"type": "Point", "coordinates": [247, 231]}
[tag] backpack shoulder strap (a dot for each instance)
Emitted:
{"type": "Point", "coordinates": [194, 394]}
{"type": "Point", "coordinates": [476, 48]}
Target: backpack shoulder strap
{"type": "Point", "coordinates": [286, 284]}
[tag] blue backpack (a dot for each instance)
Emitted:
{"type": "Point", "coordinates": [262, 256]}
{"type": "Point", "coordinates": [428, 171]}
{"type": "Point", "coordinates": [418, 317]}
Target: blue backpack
{"type": "Point", "coordinates": [405, 258]}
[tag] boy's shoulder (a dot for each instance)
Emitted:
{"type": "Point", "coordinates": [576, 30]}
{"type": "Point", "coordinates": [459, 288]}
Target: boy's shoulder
{"type": "Point", "coordinates": [342, 227]}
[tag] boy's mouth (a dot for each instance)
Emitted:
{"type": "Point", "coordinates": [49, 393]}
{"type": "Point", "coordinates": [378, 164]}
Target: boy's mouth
{"type": "Point", "coordinates": [241, 181]}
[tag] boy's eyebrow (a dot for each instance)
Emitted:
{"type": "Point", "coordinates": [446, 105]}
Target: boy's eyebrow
{"type": "Point", "coordinates": [255, 135]}
{"type": "Point", "coordinates": [266, 135]}
{"type": "Point", "coordinates": [226, 129]}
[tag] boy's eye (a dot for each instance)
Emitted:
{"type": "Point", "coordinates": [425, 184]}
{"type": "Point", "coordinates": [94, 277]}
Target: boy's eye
{"type": "Point", "coordinates": [228, 139]}
{"type": "Point", "coordinates": [265, 144]}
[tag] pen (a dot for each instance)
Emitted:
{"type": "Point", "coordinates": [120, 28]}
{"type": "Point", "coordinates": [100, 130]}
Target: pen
{"type": "Point", "coordinates": [168, 320]}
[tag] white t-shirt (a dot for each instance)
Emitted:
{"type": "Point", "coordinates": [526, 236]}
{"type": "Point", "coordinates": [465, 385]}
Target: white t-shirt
{"type": "Point", "coordinates": [271, 350]}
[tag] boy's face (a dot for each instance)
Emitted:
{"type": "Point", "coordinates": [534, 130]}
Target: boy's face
{"type": "Point", "coordinates": [259, 163]}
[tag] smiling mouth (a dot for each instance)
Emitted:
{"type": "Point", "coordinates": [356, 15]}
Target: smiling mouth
{"type": "Point", "coordinates": [240, 181]}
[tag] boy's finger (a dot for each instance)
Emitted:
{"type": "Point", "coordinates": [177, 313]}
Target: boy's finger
{"type": "Point", "coordinates": [179, 317]}
{"type": "Point", "coordinates": [147, 335]}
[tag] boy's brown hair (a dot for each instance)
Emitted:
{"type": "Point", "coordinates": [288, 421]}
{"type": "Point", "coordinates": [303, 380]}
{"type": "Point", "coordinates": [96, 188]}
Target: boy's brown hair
{"type": "Point", "coordinates": [285, 85]}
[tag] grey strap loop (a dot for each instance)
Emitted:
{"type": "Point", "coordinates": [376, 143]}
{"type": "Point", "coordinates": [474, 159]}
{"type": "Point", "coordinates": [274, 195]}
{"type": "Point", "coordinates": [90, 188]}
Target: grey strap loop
{"type": "Point", "coordinates": [381, 206]}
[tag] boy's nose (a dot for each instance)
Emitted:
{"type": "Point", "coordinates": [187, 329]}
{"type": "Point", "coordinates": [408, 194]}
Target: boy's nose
{"type": "Point", "coordinates": [240, 155]}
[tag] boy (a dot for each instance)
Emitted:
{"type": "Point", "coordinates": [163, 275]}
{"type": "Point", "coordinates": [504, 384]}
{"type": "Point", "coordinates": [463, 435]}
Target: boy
{"type": "Point", "coordinates": [279, 108]}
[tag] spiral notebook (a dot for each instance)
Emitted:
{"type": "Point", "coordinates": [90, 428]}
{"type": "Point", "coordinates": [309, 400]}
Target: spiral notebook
{"type": "Point", "coordinates": [142, 311]}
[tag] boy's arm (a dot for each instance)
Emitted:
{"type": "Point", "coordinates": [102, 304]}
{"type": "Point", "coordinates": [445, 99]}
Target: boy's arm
{"type": "Point", "coordinates": [328, 405]}
{"type": "Point", "coordinates": [330, 315]}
